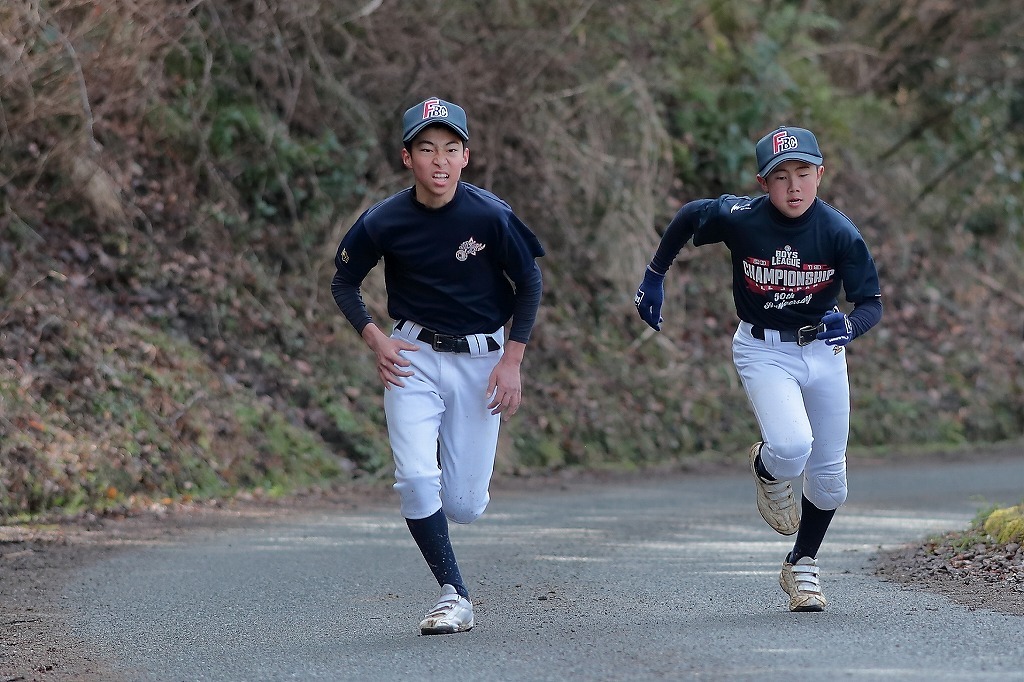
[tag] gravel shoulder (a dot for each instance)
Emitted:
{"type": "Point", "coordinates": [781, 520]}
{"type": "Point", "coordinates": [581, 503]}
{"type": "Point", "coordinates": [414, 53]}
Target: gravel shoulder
{"type": "Point", "coordinates": [976, 574]}
{"type": "Point", "coordinates": [36, 561]}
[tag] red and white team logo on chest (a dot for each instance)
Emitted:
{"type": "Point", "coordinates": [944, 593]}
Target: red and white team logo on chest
{"type": "Point", "coordinates": [784, 279]}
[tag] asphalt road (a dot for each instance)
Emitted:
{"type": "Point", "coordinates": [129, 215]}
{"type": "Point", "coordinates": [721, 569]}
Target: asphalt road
{"type": "Point", "coordinates": [658, 580]}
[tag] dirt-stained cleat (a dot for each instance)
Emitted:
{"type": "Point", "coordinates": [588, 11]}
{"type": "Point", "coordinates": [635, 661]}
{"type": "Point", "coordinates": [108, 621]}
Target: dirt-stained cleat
{"type": "Point", "coordinates": [800, 581]}
{"type": "Point", "coordinates": [452, 613]}
{"type": "Point", "coordinates": [775, 500]}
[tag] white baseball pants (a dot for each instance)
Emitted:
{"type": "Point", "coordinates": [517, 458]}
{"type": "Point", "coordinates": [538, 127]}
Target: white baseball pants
{"type": "Point", "coordinates": [441, 414]}
{"type": "Point", "coordinates": [801, 399]}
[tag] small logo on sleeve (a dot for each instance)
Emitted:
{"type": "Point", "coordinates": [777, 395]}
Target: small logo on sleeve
{"type": "Point", "coordinates": [344, 256]}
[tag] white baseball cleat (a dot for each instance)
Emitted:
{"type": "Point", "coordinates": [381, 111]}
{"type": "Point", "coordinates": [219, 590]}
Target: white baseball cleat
{"type": "Point", "coordinates": [800, 582]}
{"type": "Point", "coordinates": [775, 500]}
{"type": "Point", "coordinates": [451, 613]}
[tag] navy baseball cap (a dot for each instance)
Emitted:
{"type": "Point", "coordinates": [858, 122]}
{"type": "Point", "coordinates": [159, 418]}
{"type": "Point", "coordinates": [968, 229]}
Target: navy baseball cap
{"type": "Point", "coordinates": [431, 111]}
{"type": "Point", "coordinates": [786, 144]}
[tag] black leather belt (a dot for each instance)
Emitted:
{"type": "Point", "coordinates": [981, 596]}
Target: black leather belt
{"type": "Point", "coordinates": [802, 336]}
{"type": "Point", "coordinates": [444, 343]}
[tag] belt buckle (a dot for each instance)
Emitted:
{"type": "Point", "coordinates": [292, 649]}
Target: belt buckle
{"type": "Point", "coordinates": [442, 343]}
{"type": "Point", "coordinates": [807, 335]}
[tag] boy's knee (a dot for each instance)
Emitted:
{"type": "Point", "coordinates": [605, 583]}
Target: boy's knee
{"type": "Point", "coordinates": [419, 495]}
{"type": "Point", "coordinates": [826, 491]}
{"type": "Point", "coordinates": [786, 460]}
{"type": "Point", "coordinates": [465, 508]}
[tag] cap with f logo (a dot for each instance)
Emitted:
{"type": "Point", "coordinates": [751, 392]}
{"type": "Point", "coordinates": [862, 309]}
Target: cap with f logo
{"type": "Point", "coordinates": [786, 144]}
{"type": "Point", "coordinates": [433, 111]}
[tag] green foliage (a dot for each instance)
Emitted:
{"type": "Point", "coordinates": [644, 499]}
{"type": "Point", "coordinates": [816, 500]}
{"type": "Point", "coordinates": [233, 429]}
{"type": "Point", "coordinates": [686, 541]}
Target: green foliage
{"type": "Point", "coordinates": [362, 437]}
{"type": "Point", "coordinates": [287, 456]}
{"type": "Point", "coordinates": [281, 172]}
{"type": "Point", "coordinates": [1006, 525]}
{"type": "Point", "coordinates": [277, 174]}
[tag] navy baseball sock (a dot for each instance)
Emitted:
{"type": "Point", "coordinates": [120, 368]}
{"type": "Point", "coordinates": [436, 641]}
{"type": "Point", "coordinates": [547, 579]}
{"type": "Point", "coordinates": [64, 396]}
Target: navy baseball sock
{"type": "Point", "coordinates": [431, 536]}
{"type": "Point", "coordinates": [813, 525]}
{"type": "Point", "coordinates": [761, 471]}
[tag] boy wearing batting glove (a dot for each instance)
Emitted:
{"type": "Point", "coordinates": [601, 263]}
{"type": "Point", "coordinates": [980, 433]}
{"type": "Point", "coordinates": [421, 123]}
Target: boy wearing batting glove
{"type": "Point", "coordinates": [791, 254]}
{"type": "Point", "coordinates": [458, 266]}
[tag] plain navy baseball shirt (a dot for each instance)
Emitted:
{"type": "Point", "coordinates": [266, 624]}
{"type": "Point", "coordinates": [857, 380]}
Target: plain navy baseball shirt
{"type": "Point", "coordinates": [464, 268]}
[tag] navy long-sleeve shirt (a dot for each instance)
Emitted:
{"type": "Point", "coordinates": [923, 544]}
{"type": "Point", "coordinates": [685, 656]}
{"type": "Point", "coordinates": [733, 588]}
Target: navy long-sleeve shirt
{"type": "Point", "coordinates": [787, 272]}
{"type": "Point", "coordinates": [467, 267]}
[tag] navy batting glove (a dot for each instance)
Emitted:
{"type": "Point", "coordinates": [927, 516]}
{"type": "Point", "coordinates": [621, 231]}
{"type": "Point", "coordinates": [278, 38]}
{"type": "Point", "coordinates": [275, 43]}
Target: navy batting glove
{"type": "Point", "coordinates": [649, 297]}
{"type": "Point", "coordinates": [838, 330]}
